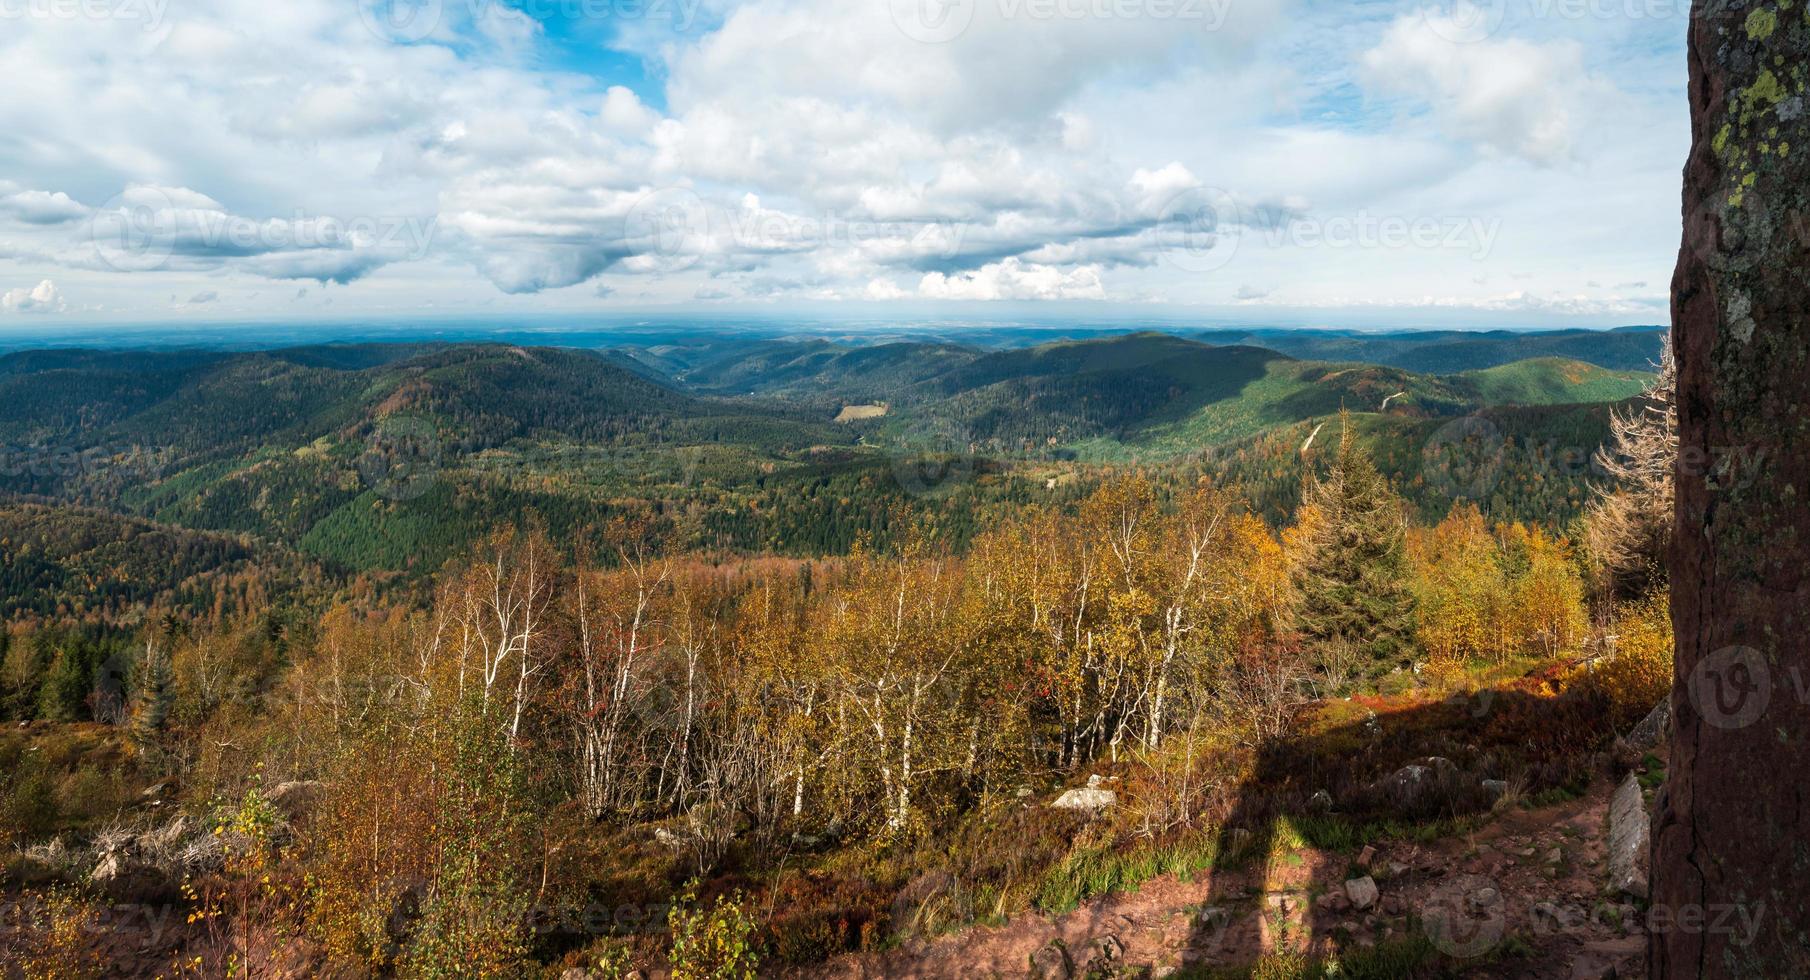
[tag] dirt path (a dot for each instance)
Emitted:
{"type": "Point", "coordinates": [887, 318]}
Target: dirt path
{"type": "Point", "coordinates": [1496, 897]}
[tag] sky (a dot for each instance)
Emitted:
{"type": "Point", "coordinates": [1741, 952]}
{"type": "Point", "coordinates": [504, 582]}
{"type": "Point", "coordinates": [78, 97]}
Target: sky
{"type": "Point", "coordinates": [1505, 162]}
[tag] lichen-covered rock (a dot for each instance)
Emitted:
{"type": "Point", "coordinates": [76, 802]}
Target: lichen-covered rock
{"type": "Point", "coordinates": [1729, 833]}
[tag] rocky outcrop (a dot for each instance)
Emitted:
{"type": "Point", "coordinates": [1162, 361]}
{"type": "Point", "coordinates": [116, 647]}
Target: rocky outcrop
{"type": "Point", "coordinates": [1090, 800]}
{"type": "Point", "coordinates": [1629, 840]}
{"type": "Point", "coordinates": [1729, 833]}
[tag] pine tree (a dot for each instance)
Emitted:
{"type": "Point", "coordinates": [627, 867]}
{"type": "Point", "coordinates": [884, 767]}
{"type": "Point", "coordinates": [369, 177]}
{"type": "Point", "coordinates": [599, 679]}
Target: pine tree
{"type": "Point", "coordinates": [1353, 581]}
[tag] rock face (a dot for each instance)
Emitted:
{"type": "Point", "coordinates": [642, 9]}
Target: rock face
{"type": "Point", "coordinates": [1729, 832]}
{"type": "Point", "coordinates": [1629, 840]}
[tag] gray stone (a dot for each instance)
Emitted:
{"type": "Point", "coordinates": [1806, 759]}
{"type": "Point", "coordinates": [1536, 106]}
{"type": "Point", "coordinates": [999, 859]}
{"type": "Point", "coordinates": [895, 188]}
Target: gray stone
{"type": "Point", "coordinates": [1362, 892]}
{"type": "Point", "coordinates": [1653, 728]}
{"type": "Point", "coordinates": [1086, 800]}
{"type": "Point", "coordinates": [1630, 834]}
{"type": "Point", "coordinates": [1413, 786]}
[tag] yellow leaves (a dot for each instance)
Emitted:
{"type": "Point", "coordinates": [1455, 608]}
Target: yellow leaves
{"type": "Point", "coordinates": [1479, 594]}
{"type": "Point", "coordinates": [1639, 672]}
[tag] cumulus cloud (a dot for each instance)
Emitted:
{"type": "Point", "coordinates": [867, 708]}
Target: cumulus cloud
{"type": "Point", "coordinates": [1012, 279]}
{"type": "Point", "coordinates": [40, 207]}
{"type": "Point", "coordinates": [42, 298]}
{"type": "Point", "coordinates": [793, 148]}
{"type": "Point", "coordinates": [1513, 96]}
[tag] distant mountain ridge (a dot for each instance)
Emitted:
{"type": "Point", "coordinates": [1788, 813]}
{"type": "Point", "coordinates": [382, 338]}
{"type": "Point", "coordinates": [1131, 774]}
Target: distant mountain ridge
{"type": "Point", "coordinates": [756, 442]}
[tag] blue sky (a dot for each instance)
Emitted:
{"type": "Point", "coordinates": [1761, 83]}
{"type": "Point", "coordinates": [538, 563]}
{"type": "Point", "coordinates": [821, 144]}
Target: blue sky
{"type": "Point", "coordinates": [1510, 162]}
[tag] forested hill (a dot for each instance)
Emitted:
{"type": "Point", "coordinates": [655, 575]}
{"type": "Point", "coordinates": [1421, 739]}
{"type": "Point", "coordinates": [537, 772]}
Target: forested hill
{"type": "Point", "coordinates": [391, 457]}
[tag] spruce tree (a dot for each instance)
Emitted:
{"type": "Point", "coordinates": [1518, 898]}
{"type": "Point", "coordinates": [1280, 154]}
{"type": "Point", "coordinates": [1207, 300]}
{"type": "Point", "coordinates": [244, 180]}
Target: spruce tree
{"type": "Point", "coordinates": [1353, 582]}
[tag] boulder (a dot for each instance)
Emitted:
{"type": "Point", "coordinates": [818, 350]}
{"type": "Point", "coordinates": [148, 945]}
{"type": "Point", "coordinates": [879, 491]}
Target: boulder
{"type": "Point", "coordinates": [1362, 892]}
{"type": "Point", "coordinates": [1630, 833]}
{"type": "Point", "coordinates": [1086, 800]}
{"type": "Point", "coordinates": [1420, 785]}
{"type": "Point", "coordinates": [1652, 729]}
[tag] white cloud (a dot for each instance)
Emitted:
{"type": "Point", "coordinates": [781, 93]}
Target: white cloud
{"type": "Point", "coordinates": [41, 207]}
{"type": "Point", "coordinates": [807, 148]}
{"type": "Point", "coordinates": [1513, 96]}
{"type": "Point", "coordinates": [42, 298]}
{"type": "Point", "coordinates": [1012, 279]}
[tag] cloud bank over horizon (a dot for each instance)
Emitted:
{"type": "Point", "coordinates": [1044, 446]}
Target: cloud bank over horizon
{"type": "Point", "coordinates": [477, 157]}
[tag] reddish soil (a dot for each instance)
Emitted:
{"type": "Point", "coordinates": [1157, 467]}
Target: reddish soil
{"type": "Point", "coordinates": [1518, 914]}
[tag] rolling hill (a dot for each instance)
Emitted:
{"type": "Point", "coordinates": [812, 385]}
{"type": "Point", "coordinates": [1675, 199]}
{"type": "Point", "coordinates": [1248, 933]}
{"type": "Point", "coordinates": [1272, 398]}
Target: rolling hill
{"type": "Point", "coordinates": [398, 456]}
